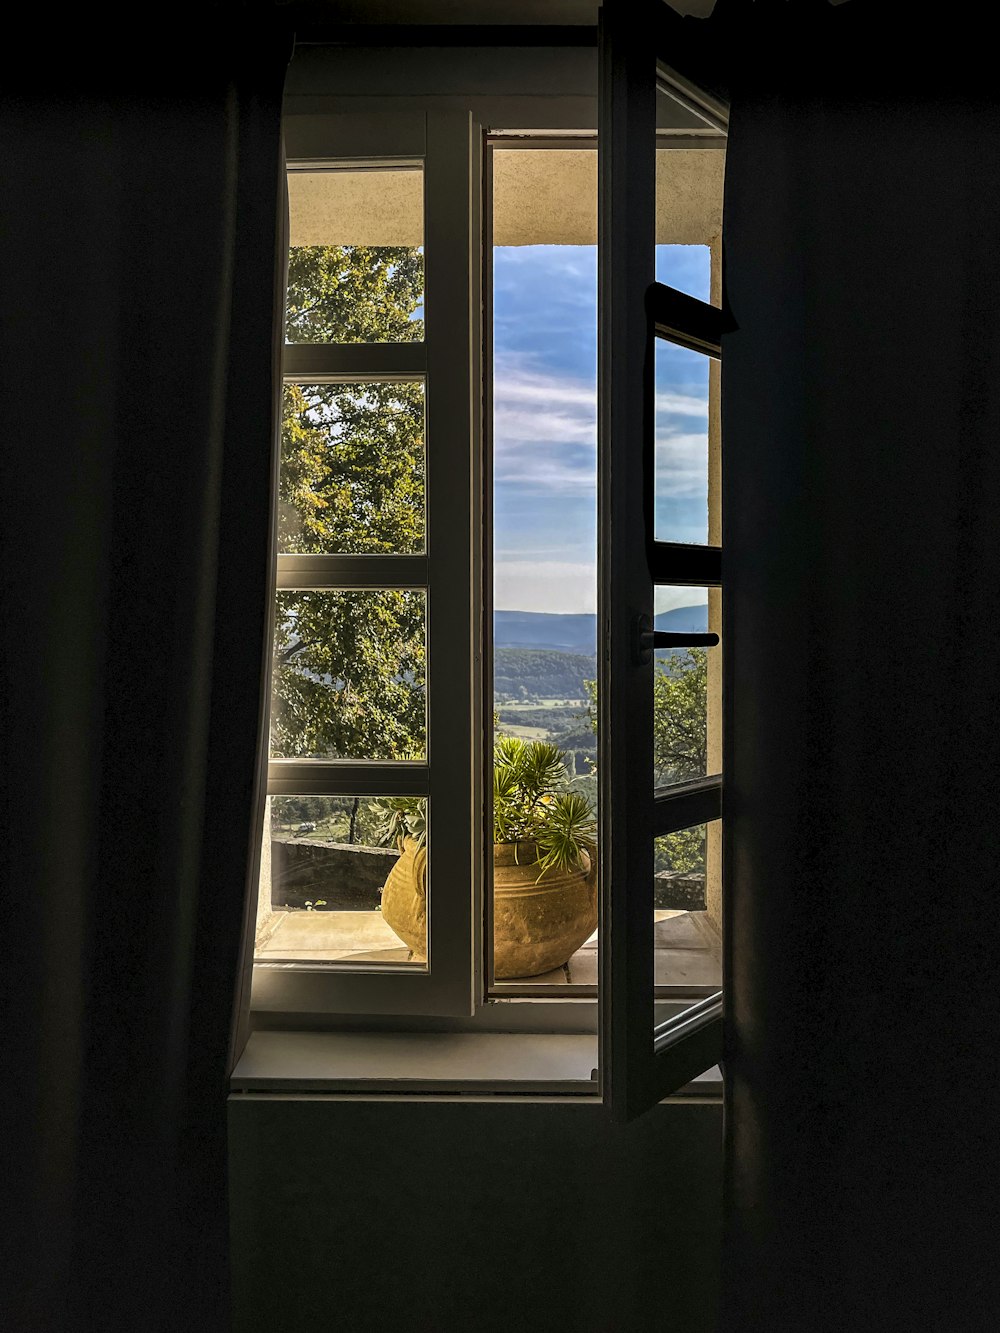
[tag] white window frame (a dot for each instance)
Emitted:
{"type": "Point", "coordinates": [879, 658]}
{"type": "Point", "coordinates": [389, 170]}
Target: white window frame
{"type": "Point", "coordinates": [453, 995]}
{"type": "Point", "coordinates": [448, 778]}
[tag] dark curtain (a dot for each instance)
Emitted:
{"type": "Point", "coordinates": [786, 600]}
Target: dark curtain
{"type": "Point", "coordinates": [140, 277]}
{"type": "Point", "coordinates": [861, 429]}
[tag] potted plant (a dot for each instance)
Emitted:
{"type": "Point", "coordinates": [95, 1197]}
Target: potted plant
{"type": "Point", "coordinates": [544, 860]}
{"type": "Point", "coordinates": [544, 863]}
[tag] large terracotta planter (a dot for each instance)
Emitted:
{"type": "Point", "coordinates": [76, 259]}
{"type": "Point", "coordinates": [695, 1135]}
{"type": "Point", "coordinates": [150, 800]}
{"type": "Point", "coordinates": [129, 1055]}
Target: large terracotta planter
{"type": "Point", "coordinates": [538, 924]}
{"type": "Point", "coordinates": [404, 898]}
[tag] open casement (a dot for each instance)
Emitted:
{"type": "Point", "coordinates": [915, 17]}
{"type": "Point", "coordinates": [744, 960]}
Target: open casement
{"type": "Point", "coordinates": [641, 1061]}
{"type": "Point", "coordinates": [439, 145]}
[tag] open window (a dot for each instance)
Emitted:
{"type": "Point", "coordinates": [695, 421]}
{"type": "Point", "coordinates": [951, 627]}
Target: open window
{"type": "Point", "coordinates": [651, 794]}
{"type": "Point", "coordinates": [448, 492]}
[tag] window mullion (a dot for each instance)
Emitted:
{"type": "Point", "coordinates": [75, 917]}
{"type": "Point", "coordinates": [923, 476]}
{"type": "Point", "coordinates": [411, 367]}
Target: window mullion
{"type": "Point", "coordinates": [303, 572]}
{"type": "Point", "coordinates": [347, 777]}
{"type": "Point", "coordinates": [311, 363]}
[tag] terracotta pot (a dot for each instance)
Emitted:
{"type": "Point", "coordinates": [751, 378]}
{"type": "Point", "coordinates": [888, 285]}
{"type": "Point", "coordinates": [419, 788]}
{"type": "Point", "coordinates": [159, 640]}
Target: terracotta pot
{"type": "Point", "coordinates": [538, 924]}
{"type": "Point", "coordinates": [404, 898]}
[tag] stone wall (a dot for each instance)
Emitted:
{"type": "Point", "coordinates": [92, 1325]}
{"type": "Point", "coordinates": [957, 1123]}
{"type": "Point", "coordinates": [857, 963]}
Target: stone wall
{"type": "Point", "coordinates": [347, 876]}
{"type": "Point", "coordinates": [680, 889]}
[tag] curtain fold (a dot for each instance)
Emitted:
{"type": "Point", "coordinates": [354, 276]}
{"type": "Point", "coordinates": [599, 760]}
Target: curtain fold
{"type": "Point", "coordinates": [861, 418]}
{"type": "Point", "coordinates": [140, 260]}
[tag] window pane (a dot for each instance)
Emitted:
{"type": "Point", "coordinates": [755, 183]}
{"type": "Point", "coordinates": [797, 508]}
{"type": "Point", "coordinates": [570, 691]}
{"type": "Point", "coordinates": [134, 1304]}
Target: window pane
{"type": "Point", "coordinates": [349, 675]}
{"type": "Point", "coordinates": [352, 468]}
{"type": "Point", "coordinates": [545, 541]}
{"type": "Point", "coordinates": [343, 878]}
{"type": "Point", "coordinates": [682, 442]}
{"type": "Point", "coordinates": [687, 688]}
{"type": "Point", "coordinates": [688, 268]}
{"type": "Point", "coordinates": [356, 265]}
{"type": "Point", "coordinates": [687, 907]}
{"type": "Point", "coordinates": [689, 192]}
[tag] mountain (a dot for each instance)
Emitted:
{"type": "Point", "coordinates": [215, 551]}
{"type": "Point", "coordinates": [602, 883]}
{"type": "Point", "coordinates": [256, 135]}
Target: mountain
{"type": "Point", "coordinates": [538, 629]}
{"type": "Point", "coordinates": [578, 633]}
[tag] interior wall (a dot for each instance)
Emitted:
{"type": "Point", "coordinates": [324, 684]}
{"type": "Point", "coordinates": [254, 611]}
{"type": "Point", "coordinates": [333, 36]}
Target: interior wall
{"type": "Point", "coordinates": [439, 1214]}
{"type": "Point", "coordinates": [861, 505]}
{"type": "Point", "coordinates": [480, 1215]}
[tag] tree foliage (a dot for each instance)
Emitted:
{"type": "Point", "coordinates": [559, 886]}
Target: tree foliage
{"type": "Point", "coordinates": [680, 731]}
{"type": "Point", "coordinates": [680, 743]}
{"type": "Point", "coordinates": [349, 667]}
{"type": "Point", "coordinates": [354, 294]}
{"type": "Point", "coordinates": [540, 673]}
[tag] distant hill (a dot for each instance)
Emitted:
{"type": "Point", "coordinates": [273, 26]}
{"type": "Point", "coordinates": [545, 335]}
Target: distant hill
{"type": "Point", "coordinates": [541, 673]}
{"type": "Point", "coordinates": [538, 629]}
{"type": "Point", "coordinates": [577, 633]}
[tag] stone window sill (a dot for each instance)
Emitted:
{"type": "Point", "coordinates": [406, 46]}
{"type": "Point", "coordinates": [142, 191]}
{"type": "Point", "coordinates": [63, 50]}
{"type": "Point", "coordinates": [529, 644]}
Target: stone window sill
{"type": "Point", "coordinates": [420, 1063]}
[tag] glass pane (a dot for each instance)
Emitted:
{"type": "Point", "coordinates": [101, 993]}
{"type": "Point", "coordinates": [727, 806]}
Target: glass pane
{"type": "Point", "coordinates": [687, 688]}
{"type": "Point", "coordinates": [356, 264]}
{"type": "Point", "coordinates": [352, 468]}
{"type": "Point", "coordinates": [687, 268]}
{"type": "Point", "coordinates": [687, 907]}
{"type": "Point", "coordinates": [343, 878]}
{"type": "Point", "coordinates": [689, 191]}
{"type": "Point", "coordinates": [545, 542]}
{"type": "Point", "coordinates": [544, 862]}
{"type": "Point", "coordinates": [349, 675]}
{"type": "Point", "coordinates": [684, 441]}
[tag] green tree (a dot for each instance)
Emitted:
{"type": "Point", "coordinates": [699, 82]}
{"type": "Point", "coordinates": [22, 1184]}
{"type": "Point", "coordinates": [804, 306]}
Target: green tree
{"type": "Point", "coordinates": [680, 743]}
{"type": "Point", "coordinates": [349, 667]}
{"type": "Point", "coordinates": [680, 731]}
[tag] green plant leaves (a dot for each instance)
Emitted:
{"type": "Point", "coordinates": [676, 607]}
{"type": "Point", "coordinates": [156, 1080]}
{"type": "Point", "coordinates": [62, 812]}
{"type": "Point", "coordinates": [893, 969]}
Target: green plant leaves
{"type": "Point", "coordinates": [530, 803]}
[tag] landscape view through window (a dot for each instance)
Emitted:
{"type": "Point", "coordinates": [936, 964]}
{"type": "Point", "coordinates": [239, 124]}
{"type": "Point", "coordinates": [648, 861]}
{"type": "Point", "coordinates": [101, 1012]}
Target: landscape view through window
{"type": "Point", "coordinates": [545, 537]}
{"type": "Point", "coordinates": [350, 662]}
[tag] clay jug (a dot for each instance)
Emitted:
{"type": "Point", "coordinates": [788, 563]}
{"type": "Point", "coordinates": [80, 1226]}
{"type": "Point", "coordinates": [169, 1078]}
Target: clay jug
{"type": "Point", "coordinates": [539, 922]}
{"type": "Point", "coordinates": [404, 898]}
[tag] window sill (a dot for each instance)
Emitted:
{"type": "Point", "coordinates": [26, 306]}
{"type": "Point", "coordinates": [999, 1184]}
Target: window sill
{"type": "Point", "coordinates": [462, 1063]}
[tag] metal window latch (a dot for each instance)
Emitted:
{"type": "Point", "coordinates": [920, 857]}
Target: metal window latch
{"type": "Point", "coordinates": [648, 640]}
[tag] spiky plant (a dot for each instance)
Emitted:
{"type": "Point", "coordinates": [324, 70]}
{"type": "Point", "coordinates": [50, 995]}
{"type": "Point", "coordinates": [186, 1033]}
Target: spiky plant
{"type": "Point", "coordinates": [399, 817]}
{"type": "Point", "coordinates": [532, 805]}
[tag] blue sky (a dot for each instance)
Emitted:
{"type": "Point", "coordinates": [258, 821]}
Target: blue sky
{"type": "Point", "coordinates": [545, 404]}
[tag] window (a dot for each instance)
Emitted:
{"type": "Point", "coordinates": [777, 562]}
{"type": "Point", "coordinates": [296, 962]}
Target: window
{"type": "Point", "coordinates": [371, 703]}
{"type": "Point", "coordinates": [436, 609]}
{"type": "Point", "coordinates": [542, 208]}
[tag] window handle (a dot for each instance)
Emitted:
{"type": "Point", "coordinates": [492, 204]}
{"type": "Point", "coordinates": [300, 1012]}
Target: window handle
{"type": "Point", "coordinates": [648, 640]}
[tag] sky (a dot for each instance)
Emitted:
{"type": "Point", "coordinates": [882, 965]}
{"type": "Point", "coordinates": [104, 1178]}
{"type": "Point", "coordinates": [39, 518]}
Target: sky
{"type": "Point", "coordinates": [545, 410]}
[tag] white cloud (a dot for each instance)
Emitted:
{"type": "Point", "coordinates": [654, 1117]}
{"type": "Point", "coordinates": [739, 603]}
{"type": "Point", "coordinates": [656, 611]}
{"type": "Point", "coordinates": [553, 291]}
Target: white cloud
{"type": "Point", "coordinates": [545, 434]}
{"type": "Point", "coordinates": [681, 404]}
{"type": "Point", "coordinates": [544, 430]}
{"type": "Point", "coordinates": [681, 465]}
{"type": "Point", "coordinates": [566, 587]}
{"type": "Point", "coordinates": [557, 586]}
